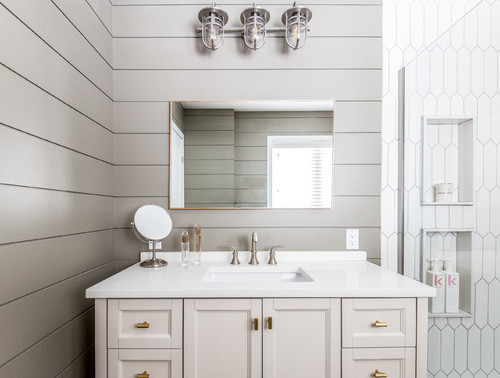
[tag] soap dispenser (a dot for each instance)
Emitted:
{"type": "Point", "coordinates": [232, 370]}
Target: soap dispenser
{"type": "Point", "coordinates": [436, 279]}
{"type": "Point", "coordinates": [452, 295]}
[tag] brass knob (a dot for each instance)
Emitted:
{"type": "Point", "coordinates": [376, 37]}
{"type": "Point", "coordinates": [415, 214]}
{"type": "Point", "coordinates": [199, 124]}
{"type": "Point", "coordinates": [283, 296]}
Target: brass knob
{"type": "Point", "coordinates": [143, 375]}
{"type": "Point", "coordinates": [270, 322]}
{"type": "Point", "coordinates": [142, 325]}
{"type": "Point", "coordinates": [378, 374]}
{"type": "Point", "coordinates": [379, 324]}
{"type": "Point", "coordinates": [255, 324]}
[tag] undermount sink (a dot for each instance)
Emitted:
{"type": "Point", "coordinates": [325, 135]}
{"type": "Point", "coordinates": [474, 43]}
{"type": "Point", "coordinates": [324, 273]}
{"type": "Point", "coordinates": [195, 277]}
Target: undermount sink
{"type": "Point", "coordinates": [257, 275]}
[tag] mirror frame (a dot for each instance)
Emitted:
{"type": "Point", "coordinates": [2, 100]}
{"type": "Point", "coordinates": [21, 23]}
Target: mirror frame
{"type": "Point", "coordinates": [248, 208]}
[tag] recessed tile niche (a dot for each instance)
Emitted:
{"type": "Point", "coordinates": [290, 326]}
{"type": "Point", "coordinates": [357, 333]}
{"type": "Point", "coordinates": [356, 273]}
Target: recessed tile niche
{"type": "Point", "coordinates": [447, 157]}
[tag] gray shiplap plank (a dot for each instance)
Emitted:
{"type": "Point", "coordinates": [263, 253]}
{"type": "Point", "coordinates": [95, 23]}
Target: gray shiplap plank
{"type": "Point", "coordinates": [30, 109]}
{"type": "Point", "coordinates": [126, 207]}
{"type": "Point", "coordinates": [351, 212]}
{"type": "Point", "coordinates": [30, 213]}
{"type": "Point", "coordinates": [150, 85]}
{"type": "Point", "coordinates": [214, 239]}
{"type": "Point", "coordinates": [142, 149]}
{"type": "Point", "coordinates": [104, 10]}
{"type": "Point", "coordinates": [30, 161]}
{"type": "Point", "coordinates": [207, 123]}
{"type": "Point", "coordinates": [250, 153]}
{"type": "Point", "coordinates": [29, 56]}
{"type": "Point", "coordinates": [203, 138]}
{"type": "Point", "coordinates": [357, 180]}
{"type": "Point", "coordinates": [357, 148]}
{"type": "Point", "coordinates": [82, 367]}
{"type": "Point", "coordinates": [83, 15]}
{"type": "Point", "coordinates": [141, 181]}
{"type": "Point", "coordinates": [208, 196]}
{"type": "Point", "coordinates": [299, 125]}
{"type": "Point", "coordinates": [45, 262]}
{"type": "Point", "coordinates": [209, 181]}
{"type": "Point", "coordinates": [62, 36]}
{"type": "Point", "coordinates": [250, 182]}
{"type": "Point", "coordinates": [62, 348]}
{"type": "Point", "coordinates": [250, 167]}
{"type": "Point", "coordinates": [156, 53]}
{"type": "Point", "coordinates": [209, 152]}
{"type": "Point", "coordinates": [209, 167]}
{"type": "Point", "coordinates": [141, 117]}
{"type": "Point", "coordinates": [250, 196]}
{"type": "Point", "coordinates": [328, 20]}
{"type": "Point", "coordinates": [358, 117]}
{"type": "Point", "coordinates": [31, 318]}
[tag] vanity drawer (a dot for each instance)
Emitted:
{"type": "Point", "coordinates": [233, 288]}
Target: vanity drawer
{"type": "Point", "coordinates": [379, 322]}
{"type": "Point", "coordinates": [375, 362]}
{"type": "Point", "coordinates": [144, 363]}
{"type": "Point", "coordinates": [145, 323]}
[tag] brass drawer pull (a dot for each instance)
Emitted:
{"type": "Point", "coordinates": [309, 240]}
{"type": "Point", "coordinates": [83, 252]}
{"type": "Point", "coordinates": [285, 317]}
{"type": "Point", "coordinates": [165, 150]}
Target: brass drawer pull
{"type": "Point", "coordinates": [255, 324]}
{"type": "Point", "coordinates": [378, 374]}
{"type": "Point", "coordinates": [143, 375]}
{"type": "Point", "coordinates": [142, 325]}
{"type": "Point", "coordinates": [380, 324]}
{"type": "Point", "coordinates": [270, 322]}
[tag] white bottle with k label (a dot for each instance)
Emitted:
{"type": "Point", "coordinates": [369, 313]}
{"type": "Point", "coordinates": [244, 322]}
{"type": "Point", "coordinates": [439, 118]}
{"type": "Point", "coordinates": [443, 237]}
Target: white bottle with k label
{"type": "Point", "coordinates": [436, 279]}
{"type": "Point", "coordinates": [452, 294]}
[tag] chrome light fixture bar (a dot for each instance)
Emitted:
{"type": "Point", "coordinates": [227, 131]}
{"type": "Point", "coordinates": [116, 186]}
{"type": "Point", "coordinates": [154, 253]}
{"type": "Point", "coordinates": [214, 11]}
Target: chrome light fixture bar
{"type": "Point", "coordinates": [212, 21]}
{"type": "Point", "coordinates": [254, 30]}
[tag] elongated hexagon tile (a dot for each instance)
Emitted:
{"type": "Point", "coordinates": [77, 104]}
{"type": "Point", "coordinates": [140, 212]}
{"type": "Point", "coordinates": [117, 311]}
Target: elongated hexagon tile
{"type": "Point", "coordinates": [494, 304]}
{"type": "Point", "coordinates": [460, 349]}
{"type": "Point", "coordinates": [487, 347]}
{"type": "Point", "coordinates": [447, 349]}
{"type": "Point", "coordinates": [474, 350]}
{"type": "Point", "coordinates": [481, 305]}
{"type": "Point", "coordinates": [434, 350]}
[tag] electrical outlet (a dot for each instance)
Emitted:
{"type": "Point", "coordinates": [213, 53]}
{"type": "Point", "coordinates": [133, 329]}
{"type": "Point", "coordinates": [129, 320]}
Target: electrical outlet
{"type": "Point", "coordinates": [352, 239]}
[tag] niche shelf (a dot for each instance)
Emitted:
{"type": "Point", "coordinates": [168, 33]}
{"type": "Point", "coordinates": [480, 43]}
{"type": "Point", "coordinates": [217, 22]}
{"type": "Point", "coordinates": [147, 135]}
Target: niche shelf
{"type": "Point", "coordinates": [454, 243]}
{"type": "Point", "coordinates": [447, 156]}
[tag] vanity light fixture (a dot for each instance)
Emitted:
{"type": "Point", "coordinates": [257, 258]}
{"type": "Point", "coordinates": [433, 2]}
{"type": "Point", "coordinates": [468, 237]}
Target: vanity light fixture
{"type": "Point", "coordinates": [254, 19]}
{"type": "Point", "coordinates": [212, 21]}
{"type": "Point", "coordinates": [254, 26]}
{"type": "Point", "coordinates": [296, 20]}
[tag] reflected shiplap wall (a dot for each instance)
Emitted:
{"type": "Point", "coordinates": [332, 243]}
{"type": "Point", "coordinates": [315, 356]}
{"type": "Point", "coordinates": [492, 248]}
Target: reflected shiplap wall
{"type": "Point", "coordinates": [157, 61]}
{"type": "Point", "coordinates": [56, 182]}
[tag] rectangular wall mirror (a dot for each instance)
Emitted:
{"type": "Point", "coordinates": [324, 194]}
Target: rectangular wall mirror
{"type": "Point", "coordinates": [251, 154]}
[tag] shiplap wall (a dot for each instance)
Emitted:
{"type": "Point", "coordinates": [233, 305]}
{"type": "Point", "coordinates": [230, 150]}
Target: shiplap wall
{"type": "Point", "coordinates": [158, 57]}
{"type": "Point", "coordinates": [56, 182]}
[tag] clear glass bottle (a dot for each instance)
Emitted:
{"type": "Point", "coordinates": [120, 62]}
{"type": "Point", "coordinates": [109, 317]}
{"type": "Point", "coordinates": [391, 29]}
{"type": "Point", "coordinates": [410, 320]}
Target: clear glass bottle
{"type": "Point", "coordinates": [185, 249]}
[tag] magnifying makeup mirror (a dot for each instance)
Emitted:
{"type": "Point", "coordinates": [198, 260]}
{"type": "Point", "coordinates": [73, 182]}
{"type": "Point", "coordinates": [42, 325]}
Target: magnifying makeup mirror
{"type": "Point", "coordinates": [152, 224]}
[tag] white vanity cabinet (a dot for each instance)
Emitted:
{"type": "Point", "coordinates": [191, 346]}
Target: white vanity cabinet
{"type": "Point", "coordinates": [270, 337]}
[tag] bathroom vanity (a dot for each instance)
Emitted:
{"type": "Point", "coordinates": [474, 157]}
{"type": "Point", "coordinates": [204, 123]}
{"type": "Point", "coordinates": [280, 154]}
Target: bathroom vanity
{"type": "Point", "coordinates": [315, 315]}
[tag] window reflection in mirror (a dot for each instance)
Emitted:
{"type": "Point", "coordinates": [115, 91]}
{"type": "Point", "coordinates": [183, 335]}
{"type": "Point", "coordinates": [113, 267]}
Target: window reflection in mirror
{"type": "Point", "coordinates": [248, 154]}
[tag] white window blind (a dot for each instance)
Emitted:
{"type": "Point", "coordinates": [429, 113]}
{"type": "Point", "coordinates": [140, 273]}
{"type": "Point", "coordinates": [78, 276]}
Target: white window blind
{"type": "Point", "coordinates": [300, 171]}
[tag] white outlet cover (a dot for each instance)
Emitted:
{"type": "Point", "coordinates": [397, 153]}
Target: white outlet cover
{"type": "Point", "coordinates": [352, 239]}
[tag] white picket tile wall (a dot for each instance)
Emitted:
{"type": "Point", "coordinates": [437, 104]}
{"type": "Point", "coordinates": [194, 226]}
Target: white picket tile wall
{"type": "Point", "coordinates": [458, 75]}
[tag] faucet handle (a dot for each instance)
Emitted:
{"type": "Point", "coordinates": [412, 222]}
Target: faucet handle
{"type": "Point", "coordinates": [235, 260]}
{"type": "Point", "coordinates": [272, 255]}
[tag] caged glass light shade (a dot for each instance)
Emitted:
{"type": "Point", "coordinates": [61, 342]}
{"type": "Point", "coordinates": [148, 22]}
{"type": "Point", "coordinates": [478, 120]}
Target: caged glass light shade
{"type": "Point", "coordinates": [296, 20]}
{"type": "Point", "coordinates": [254, 26]}
{"type": "Point", "coordinates": [212, 21]}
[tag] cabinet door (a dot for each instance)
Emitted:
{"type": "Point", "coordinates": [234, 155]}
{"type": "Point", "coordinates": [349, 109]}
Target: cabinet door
{"type": "Point", "coordinates": [154, 363]}
{"type": "Point", "coordinates": [301, 338]}
{"type": "Point", "coordinates": [220, 340]}
{"type": "Point", "coordinates": [366, 362]}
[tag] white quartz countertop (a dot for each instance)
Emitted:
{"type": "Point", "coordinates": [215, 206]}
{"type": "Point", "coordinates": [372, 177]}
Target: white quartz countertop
{"type": "Point", "coordinates": [333, 274]}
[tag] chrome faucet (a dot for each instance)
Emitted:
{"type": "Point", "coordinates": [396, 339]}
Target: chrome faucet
{"type": "Point", "coordinates": [253, 259]}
